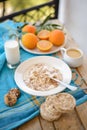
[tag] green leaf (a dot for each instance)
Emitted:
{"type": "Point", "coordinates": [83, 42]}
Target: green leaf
{"type": "Point", "coordinates": [47, 18]}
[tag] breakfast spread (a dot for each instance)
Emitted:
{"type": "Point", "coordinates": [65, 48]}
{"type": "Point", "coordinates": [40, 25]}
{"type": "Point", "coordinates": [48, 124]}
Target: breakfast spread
{"type": "Point", "coordinates": [55, 105]}
{"type": "Point", "coordinates": [37, 77]}
{"type": "Point", "coordinates": [11, 97]}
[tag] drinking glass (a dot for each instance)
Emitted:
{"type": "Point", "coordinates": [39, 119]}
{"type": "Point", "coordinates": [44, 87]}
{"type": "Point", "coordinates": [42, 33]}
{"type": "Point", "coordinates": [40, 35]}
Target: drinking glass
{"type": "Point", "coordinates": [12, 52]}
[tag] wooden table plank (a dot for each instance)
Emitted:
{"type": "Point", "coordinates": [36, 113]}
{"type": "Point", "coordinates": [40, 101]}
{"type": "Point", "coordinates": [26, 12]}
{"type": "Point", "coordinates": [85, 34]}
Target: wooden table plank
{"type": "Point", "coordinates": [69, 121]}
{"type": "Point", "coordinates": [33, 124]}
{"type": "Point", "coordinates": [46, 125]}
{"type": "Point", "coordinates": [82, 113]}
{"type": "Point", "coordinates": [82, 70]}
{"type": "Point", "coordinates": [82, 109]}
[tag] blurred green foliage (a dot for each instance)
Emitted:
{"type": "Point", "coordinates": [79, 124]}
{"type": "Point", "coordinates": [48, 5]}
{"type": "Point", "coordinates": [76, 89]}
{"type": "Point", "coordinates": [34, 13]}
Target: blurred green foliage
{"type": "Point", "coordinates": [23, 4]}
{"type": "Point", "coordinates": [31, 16]}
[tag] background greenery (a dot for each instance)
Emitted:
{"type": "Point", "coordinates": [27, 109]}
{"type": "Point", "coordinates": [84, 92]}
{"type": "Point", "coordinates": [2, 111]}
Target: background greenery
{"type": "Point", "coordinates": [35, 15]}
{"type": "Point", "coordinates": [22, 4]}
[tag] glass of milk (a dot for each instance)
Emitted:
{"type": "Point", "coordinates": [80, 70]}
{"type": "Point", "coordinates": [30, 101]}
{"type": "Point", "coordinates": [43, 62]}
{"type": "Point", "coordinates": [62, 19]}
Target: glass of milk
{"type": "Point", "coordinates": [12, 53]}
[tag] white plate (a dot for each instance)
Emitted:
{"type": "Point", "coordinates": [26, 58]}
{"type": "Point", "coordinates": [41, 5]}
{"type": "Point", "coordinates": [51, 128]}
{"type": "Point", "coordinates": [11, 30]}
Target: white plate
{"type": "Point", "coordinates": [37, 51]}
{"type": "Point", "coordinates": [52, 61]}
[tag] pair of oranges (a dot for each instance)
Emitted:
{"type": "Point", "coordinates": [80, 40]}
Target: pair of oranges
{"type": "Point", "coordinates": [44, 40]}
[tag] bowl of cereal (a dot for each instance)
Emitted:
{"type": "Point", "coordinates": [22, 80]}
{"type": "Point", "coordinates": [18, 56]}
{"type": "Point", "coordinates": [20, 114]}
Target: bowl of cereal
{"type": "Point", "coordinates": [31, 76]}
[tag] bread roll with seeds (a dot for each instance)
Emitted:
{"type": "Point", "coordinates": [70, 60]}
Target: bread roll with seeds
{"type": "Point", "coordinates": [62, 102]}
{"type": "Point", "coordinates": [48, 116]}
{"type": "Point", "coordinates": [65, 102]}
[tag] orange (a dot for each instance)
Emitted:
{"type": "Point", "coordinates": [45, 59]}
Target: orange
{"type": "Point", "coordinates": [29, 40]}
{"type": "Point", "coordinates": [29, 29]}
{"type": "Point", "coordinates": [56, 37]}
{"type": "Point", "coordinates": [43, 34]}
{"type": "Point", "coordinates": [44, 45]}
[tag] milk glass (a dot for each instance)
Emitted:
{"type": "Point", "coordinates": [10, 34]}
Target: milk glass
{"type": "Point", "coordinates": [12, 53]}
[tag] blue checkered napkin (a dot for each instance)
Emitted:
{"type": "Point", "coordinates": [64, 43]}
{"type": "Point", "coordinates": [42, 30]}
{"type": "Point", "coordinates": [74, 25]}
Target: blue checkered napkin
{"type": "Point", "coordinates": [20, 113]}
{"type": "Point", "coordinates": [27, 106]}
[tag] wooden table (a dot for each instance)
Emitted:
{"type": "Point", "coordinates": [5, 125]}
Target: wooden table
{"type": "Point", "coordinates": [76, 120]}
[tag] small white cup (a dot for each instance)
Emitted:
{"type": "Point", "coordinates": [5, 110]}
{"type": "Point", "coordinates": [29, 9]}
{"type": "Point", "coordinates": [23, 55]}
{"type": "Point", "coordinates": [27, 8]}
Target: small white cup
{"type": "Point", "coordinates": [72, 56]}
